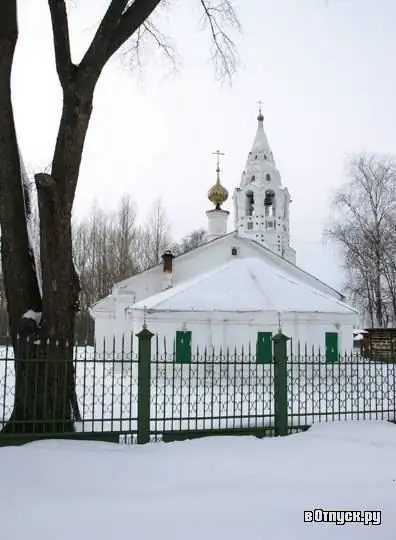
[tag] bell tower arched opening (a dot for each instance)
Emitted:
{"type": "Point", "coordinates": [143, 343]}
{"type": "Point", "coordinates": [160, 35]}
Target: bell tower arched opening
{"type": "Point", "coordinates": [249, 203]}
{"type": "Point", "coordinates": [269, 203]}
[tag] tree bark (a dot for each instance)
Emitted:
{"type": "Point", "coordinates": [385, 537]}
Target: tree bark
{"type": "Point", "coordinates": [20, 278]}
{"type": "Point", "coordinates": [60, 283]}
{"type": "Point", "coordinates": [44, 390]}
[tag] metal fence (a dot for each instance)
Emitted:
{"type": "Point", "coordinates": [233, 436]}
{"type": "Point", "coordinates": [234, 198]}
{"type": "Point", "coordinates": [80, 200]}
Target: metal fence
{"type": "Point", "coordinates": [146, 396]}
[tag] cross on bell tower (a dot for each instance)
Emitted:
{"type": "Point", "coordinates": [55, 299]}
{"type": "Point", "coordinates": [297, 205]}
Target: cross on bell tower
{"type": "Point", "coordinates": [260, 116]}
{"type": "Point", "coordinates": [218, 154]}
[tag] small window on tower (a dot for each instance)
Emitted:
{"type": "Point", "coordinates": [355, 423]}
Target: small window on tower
{"type": "Point", "coordinates": [268, 178]}
{"type": "Point", "coordinates": [234, 251]}
{"type": "Point", "coordinates": [253, 178]}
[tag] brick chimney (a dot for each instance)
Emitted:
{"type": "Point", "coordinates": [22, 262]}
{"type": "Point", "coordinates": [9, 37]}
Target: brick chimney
{"type": "Point", "coordinates": [167, 259]}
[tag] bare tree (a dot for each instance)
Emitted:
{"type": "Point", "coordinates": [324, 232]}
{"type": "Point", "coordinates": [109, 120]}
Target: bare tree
{"type": "Point", "coordinates": [363, 225]}
{"type": "Point", "coordinates": [126, 238]}
{"type": "Point", "coordinates": [154, 236]}
{"type": "Point", "coordinates": [105, 251]}
{"type": "Point", "coordinates": [60, 286]}
{"type": "Point", "coordinates": [191, 241]}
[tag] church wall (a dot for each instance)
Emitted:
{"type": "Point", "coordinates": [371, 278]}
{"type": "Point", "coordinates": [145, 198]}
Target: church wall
{"type": "Point", "coordinates": [202, 260]}
{"type": "Point", "coordinates": [239, 330]}
{"type": "Point", "coordinates": [104, 330]}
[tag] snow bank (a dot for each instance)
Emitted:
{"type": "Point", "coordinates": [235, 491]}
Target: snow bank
{"type": "Point", "coordinates": [217, 488]}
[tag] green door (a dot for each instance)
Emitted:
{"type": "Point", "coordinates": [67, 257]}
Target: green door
{"type": "Point", "coordinates": [183, 347]}
{"type": "Point", "coordinates": [264, 348]}
{"type": "Point", "coordinates": [331, 342]}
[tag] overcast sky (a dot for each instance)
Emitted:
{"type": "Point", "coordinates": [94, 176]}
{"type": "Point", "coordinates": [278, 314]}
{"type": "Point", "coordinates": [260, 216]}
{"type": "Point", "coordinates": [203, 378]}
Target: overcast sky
{"type": "Point", "coordinates": [324, 70]}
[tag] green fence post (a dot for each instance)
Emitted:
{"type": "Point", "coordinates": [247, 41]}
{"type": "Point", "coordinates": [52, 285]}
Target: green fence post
{"type": "Point", "coordinates": [144, 384]}
{"type": "Point", "coordinates": [280, 384]}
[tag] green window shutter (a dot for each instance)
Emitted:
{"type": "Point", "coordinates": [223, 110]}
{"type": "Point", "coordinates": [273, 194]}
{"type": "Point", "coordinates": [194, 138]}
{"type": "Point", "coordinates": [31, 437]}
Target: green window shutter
{"type": "Point", "coordinates": [264, 348]}
{"type": "Point", "coordinates": [331, 342]}
{"type": "Point", "coordinates": [183, 347]}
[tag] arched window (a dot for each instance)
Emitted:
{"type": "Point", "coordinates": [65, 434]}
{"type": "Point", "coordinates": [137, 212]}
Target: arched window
{"type": "Point", "coordinates": [249, 203]}
{"type": "Point", "coordinates": [269, 203]}
{"type": "Point", "coordinates": [268, 178]}
{"type": "Point", "coordinates": [252, 178]}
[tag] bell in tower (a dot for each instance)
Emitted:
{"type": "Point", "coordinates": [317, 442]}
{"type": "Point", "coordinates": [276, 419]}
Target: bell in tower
{"type": "Point", "coordinates": [269, 197]}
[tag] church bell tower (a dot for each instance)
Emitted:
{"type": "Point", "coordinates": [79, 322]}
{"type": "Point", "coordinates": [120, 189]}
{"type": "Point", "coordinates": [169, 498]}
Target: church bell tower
{"type": "Point", "coordinates": [261, 204]}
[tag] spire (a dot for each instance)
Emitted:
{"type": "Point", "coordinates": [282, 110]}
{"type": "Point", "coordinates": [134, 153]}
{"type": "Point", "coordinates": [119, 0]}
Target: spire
{"type": "Point", "coordinates": [260, 164]}
{"type": "Point", "coordinates": [260, 143]}
{"type": "Point", "coordinates": [217, 193]}
{"type": "Point", "coordinates": [260, 116]}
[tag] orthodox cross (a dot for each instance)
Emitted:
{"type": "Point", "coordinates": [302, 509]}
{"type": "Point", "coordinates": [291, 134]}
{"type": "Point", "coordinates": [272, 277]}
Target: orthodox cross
{"type": "Point", "coordinates": [259, 104]}
{"type": "Point", "coordinates": [218, 153]}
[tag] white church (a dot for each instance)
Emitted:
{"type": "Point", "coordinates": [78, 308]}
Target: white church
{"type": "Point", "coordinates": [236, 290]}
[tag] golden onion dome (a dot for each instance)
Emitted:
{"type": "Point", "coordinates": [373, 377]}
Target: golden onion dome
{"type": "Point", "coordinates": [217, 193]}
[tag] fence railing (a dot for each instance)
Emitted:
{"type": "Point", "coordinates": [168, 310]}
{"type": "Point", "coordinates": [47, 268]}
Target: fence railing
{"type": "Point", "coordinates": [146, 396]}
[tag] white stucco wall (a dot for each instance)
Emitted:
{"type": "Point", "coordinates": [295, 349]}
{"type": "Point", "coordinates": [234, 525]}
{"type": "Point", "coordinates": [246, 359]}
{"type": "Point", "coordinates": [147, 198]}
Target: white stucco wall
{"type": "Point", "coordinates": [104, 330]}
{"type": "Point", "coordinates": [238, 330]}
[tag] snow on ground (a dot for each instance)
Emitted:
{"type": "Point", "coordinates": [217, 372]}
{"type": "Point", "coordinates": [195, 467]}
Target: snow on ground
{"type": "Point", "coordinates": [216, 488]}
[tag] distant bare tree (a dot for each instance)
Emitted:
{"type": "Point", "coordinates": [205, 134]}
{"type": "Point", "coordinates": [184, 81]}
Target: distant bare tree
{"type": "Point", "coordinates": [191, 241]}
{"type": "Point", "coordinates": [105, 245]}
{"type": "Point", "coordinates": [363, 226]}
{"type": "Point", "coordinates": [126, 238]}
{"type": "Point", "coordinates": [154, 236]}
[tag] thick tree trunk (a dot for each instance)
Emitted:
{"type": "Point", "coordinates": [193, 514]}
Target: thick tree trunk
{"type": "Point", "coordinates": [60, 282]}
{"type": "Point", "coordinates": [44, 389]}
{"type": "Point", "coordinates": [20, 278]}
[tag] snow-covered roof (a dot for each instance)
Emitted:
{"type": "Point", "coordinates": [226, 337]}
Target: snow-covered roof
{"type": "Point", "coordinates": [105, 304]}
{"type": "Point", "coordinates": [246, 284]}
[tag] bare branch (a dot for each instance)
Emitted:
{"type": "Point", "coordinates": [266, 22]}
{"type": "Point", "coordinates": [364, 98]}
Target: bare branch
{"type": "Point", "coordinates": [96, 55]}
{"type": "Point", "coordinates": [161, 40]}
{"type": "Point", "coordinates": [138, 45]}
{"type": "Point", "coordinates": [134, 16]}
{"type": "Point", "coordinates": [60, 31]}
{"type": "Point", "coordinates": [218, 15]}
